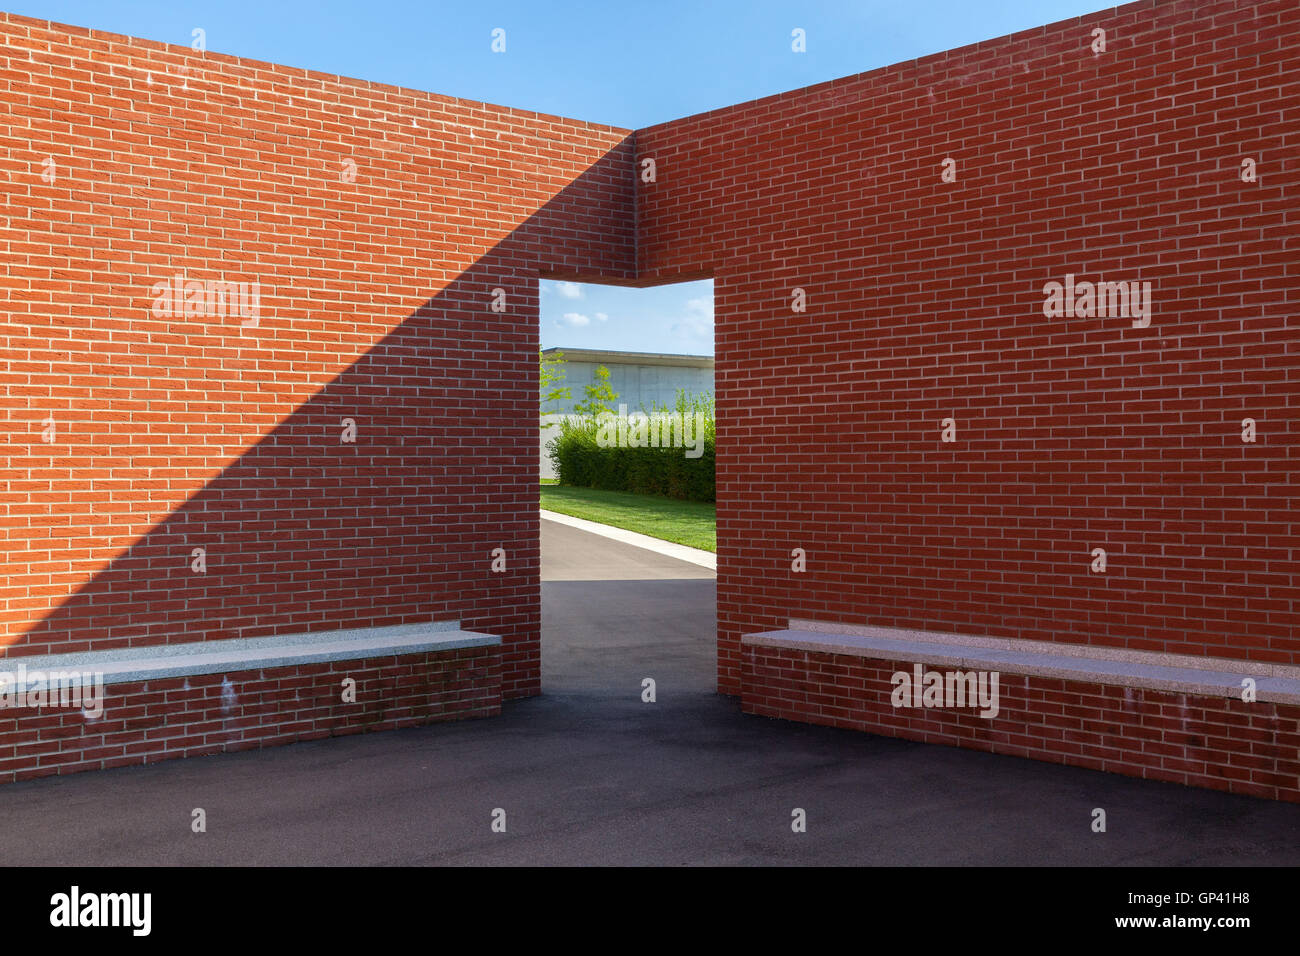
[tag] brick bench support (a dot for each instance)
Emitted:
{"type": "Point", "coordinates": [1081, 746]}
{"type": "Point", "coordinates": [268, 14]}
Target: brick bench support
{"type": "Point", "coordinates": [64, 713]}
{"type": "Point", "coordinates": [1159, 716]}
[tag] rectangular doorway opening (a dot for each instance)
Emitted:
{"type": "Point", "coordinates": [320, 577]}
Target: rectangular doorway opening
{"type": "Point", "coordinates": [628, 530]}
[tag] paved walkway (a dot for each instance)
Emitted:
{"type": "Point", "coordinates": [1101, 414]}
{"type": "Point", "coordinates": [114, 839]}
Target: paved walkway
{"type": "Point", "coordinates": [589, 774]}
{"type": "Point", "coordinates": [705, 559]}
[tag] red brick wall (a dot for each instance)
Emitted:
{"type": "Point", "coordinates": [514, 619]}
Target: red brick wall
{"type": "Point", "coordinates": [1219, 743]}
{"type": "Point", "coordinates": [925, 299]}
{"type": "Point", "coordinates": [190, 716]}
{"type": "Point", "coordinates": [175, 432]}
{"type": "Point", "coordinates": [924, 302]}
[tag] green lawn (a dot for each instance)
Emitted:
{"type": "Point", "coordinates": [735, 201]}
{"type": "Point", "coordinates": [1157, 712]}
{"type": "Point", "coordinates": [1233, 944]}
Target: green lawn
{"type": "Point", "coordinates": [691, 523]}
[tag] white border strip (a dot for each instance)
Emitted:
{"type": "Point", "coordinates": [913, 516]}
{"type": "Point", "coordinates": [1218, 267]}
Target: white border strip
{"type": "Point", "coordinates": [705, 559]}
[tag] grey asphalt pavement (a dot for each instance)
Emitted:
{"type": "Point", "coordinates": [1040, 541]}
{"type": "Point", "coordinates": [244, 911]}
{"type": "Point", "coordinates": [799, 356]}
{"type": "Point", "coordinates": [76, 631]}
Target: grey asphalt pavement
{"type": "Point", "coordinates": [589, 774]}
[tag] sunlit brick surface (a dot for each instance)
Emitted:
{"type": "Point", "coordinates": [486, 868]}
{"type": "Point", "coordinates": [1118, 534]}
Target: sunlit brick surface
{"type": "Point", "coordinates": [925, 301]}
{"type": "Point", "coordinates": [377, 221]}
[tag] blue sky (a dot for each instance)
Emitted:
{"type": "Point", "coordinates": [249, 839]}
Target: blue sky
{"type": "Point", "coordinates": [673, 318]}
{"type": "Point", "coordinates": [625, 64]}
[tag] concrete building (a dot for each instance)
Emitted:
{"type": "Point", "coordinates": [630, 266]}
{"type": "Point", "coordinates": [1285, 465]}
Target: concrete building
{"type": "Point", "coordinates": [641, 380]}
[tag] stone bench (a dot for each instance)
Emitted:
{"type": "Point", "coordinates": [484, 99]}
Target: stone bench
{"type": "Point", "coordinates": [1175, 673]}
{"type": "Point", "coordinates": [1170, 717]}
{"type": "Point", "coordinates": [63, 713]}
{"type": "Point", "coordinates": [135, 664]}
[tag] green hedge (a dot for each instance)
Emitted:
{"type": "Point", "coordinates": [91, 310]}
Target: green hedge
{"type": "Point", "coordinates": [586, 454]}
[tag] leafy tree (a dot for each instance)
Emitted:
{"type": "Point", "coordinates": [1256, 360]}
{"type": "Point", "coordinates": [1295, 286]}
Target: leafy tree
{"type": "Point", "coordinates": [600, 397]}
{"type": "Point", "coordinates": [552, 374]}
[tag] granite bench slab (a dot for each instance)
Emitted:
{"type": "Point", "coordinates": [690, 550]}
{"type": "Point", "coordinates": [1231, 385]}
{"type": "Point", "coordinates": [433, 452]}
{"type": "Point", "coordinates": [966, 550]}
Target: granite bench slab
{"type": "Point", "coordinates": [153, 662]}
{"type": "Point", "coordinates": [1175, 673]}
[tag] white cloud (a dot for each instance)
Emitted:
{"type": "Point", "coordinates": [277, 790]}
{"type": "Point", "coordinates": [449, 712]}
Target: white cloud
{"type": "Point", "coordinates": [701, 309]}
{"type": "Point", "coordinates": [570, 290]}
{"type": "Point", "coordinates": [573, 320]}
{"type": "Point", "coordinates": [694, 326]}
{"type": "Point", "coordinates": [601, 317]}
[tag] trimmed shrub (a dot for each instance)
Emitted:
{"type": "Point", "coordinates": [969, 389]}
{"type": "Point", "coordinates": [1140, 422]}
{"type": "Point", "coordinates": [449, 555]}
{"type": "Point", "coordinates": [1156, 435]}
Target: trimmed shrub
{"type": "Point", "coordinates": [604, 452]}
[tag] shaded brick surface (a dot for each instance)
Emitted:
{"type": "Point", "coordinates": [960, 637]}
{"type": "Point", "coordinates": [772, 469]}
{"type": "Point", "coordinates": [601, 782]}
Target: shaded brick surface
{"type": "Point", "coordinates": [145, 722]}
